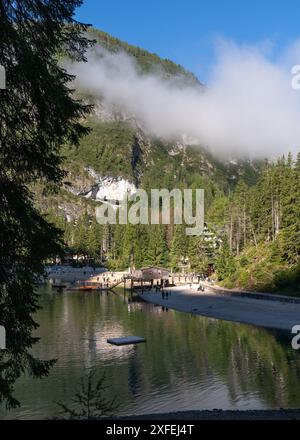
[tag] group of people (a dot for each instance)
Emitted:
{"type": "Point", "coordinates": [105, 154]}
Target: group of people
{"type": "Point", "coordinates": [165, 294]}
{"type": "Point", "coordinates": [108, 279]}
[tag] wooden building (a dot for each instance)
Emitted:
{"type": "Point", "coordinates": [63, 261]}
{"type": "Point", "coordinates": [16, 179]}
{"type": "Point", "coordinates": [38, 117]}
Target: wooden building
{"type": "Point", "coordinates": [149, 274]}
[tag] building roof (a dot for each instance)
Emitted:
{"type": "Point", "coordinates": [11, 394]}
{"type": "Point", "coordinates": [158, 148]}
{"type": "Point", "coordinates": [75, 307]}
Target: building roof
{"type": "Point", "coordinates": [154, 267]}
{"type": "Point", "coordinates": [151, 272]}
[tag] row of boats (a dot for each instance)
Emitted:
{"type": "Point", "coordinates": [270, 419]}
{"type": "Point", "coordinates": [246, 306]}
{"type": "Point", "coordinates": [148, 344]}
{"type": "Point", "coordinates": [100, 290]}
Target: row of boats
{"type": "Point", "coordinates": [85, 287]}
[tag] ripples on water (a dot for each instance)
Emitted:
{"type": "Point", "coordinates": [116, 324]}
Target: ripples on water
{"type": "Point", "coordinates": [188, 362]}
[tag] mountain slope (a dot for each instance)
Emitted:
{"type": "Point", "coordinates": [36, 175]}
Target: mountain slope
{"type": "Point", "coordinates": [119, 149]}
{"type": "Point", "coordinates": [244, 200]}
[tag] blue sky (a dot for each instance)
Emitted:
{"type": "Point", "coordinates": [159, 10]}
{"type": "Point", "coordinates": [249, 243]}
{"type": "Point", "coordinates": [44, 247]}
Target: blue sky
{"type": "Point", "coordinates": [186, 30]}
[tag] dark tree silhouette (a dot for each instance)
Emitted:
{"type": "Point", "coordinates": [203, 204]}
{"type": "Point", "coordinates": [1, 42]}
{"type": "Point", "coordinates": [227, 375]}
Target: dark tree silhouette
{"type": "Point", "coordinates": [90, 401]}
{"type": "Point", "coordinates": [38, 113]}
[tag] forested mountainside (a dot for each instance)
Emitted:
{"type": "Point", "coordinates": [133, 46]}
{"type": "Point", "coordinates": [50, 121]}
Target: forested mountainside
{"type": "Point", "coordinates": [246, 202]}
{"type": "Point", "coordinates": [261, 249]}
{"type": "Point", "coordinates": [147, 62]}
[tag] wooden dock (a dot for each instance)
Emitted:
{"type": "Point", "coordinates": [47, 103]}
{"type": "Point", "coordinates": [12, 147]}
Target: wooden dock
{"type": "Point", "coordinates": [126, 340]}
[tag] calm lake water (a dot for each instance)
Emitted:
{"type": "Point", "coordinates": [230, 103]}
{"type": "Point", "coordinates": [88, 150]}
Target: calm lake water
{"type": "Point", "coordinates": [188, 362]}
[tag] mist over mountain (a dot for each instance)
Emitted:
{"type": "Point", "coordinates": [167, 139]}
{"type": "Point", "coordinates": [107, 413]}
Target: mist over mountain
{"type": "Point", "coordinates": [122, 151]}
{"type": "Point", "coordinates": [248, 109]}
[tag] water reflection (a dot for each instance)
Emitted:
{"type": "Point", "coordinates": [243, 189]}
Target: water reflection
{"type": "Point", "coordinates": [188, 362]}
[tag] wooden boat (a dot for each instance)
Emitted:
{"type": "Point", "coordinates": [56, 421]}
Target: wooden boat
{"type": "Point", "coordinates": [88, 288]}
{"type": "Point", "coordinates": [81, 288]}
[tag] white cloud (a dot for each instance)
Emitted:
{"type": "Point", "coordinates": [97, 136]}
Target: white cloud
{"type": "Point", "coordinates": [248, 107]}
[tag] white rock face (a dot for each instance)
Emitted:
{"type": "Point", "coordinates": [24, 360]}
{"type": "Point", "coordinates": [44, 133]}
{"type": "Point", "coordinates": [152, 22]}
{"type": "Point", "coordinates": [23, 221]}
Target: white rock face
{"type": "Point", "coordinates": [115, 189]}
{"type": "Point", "coordinates": [110, 188]}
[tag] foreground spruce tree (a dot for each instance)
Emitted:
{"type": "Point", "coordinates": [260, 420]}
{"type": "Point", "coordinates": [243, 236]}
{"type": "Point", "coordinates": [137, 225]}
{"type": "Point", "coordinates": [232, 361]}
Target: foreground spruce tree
{"type": "Point", "coordinates": [90, 401]}
{"type": "Point", "coordinates": [37, 115]}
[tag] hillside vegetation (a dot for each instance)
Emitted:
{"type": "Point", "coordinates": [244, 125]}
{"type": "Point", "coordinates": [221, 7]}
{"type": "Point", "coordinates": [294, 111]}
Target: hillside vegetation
{"type": "Point", "coordinates": [251, 208]}
{"type": "Point", "coordinates": [262, 231]}
{"type": "Point", "coordinates": [148, 62]}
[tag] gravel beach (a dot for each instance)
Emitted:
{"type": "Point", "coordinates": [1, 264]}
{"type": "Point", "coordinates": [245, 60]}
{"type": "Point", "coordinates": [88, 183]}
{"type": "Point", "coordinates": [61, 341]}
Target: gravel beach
{"type": "Point", "coordinates": [260, 312]}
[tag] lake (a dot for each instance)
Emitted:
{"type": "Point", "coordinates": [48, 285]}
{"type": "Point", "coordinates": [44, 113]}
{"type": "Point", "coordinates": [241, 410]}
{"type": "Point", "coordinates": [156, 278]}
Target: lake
{"type": "Point", "coordinates": [188, 362]}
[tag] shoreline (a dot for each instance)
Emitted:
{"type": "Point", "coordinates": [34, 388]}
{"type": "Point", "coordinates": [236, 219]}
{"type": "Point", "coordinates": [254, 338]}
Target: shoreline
{"type": "Point", "coordinates": [219, 414]}
{"type": "Point", "coordinates": [253, 294]}
{"type": "Point", "coordinates": [273, 314]}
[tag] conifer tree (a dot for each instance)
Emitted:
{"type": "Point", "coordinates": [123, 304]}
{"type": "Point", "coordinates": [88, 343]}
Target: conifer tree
{"type": "Point", "coordinates": [225, 262]}
{"type": "Point", "coordinates": [38, 113]}
{"type": "Point", "coordinates": [158, 247]}
{"type": "Point", "coordinates": [179, 245]}
{"type": "Point", "coordinates": [81, 231]}
{"type": "Point", "coordinates": [291, 214]}
{"type": "Point", "coordinates": [94, 240]}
